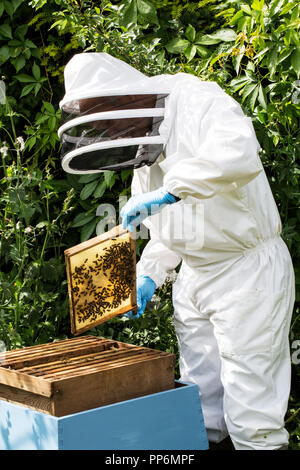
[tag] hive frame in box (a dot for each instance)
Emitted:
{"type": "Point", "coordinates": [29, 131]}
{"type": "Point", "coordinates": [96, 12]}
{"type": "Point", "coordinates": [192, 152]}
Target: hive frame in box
{"type": "Point", "coordinates": [77, 374]}
{"type": "Point", "coordinates": [113, 234]}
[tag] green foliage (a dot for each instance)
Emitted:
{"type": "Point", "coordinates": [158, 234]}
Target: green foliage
{"type": "Point", "coordinates": [250, 47]}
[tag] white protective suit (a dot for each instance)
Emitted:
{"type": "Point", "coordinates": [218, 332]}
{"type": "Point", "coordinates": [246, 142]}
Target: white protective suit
{"type": "Point", "coordinates": [234, 294]}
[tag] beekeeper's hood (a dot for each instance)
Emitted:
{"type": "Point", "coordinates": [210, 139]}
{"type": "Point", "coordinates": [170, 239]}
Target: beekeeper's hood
{"type": "Point", "coordinates": [111, 114]}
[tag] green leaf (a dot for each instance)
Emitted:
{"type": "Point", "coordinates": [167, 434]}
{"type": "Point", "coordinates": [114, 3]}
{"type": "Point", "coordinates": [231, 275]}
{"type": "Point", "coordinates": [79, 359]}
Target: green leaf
{"type": "Point", "coordinates": [125, 174]}
{"type": "Point", "coordinates": [24, 78]}
{"type": "Point", "coordinates": [161, 58]}
{"type": "Point", "coordinates": [1, 9]}
{"type": "Point", "coordinates": [177, 45]}
{"type": "Point", "coordinates": [27, 89]}
{"type": "Point", "coordinates": [16, 4]}
{"type": "Point", "coordinates": [27, 213]}
{"type": "Point", "coordinates": [88, 230]}
{"type": "Point", "coordinates": [206, 40]}
{"type": "Point", "coordinates": [272, 59]}
{"type": "Point", "coordinates": [52, 119]}
{"type": "Point", "coordinates": [237, 83]}
{"type": "Point", "coordinates": [295, 37]}
{"type": "Point", "coordinates": [246, 9]}
{"type": "Point", "coordinates": [88, 178]}
{"type": "Point", "coordinates": [14, 42]}
{"type": "Point", "coordinates": [110, 178]}
{"type": "Point", "coordinates": [253, 96]}
{"type": "Point", "coordinates": [190, 52]}
{"type": "Point", "coordinates": [262, 96]}
{"type": "Point", "coordinates": [88, 190]}
{"type": "Point", "coordinates": [239, 14]}
{"type": "Point", "coordinates": [4, 54]}
{"type": "Point", "coordinates": [202, 51]}
{"type": "Point", "coordinates": [295, 61]}
{"type": "Point", "coordinates": [82, 219]}
{"type": "Point", "coordinates": [262, 116]}
{"type": "Point", "coordinates": [190, 33]}
{"type": "Point", "coordinates": [5, 30]}
{"type": "Point", "coordinates": [37, 88]}
{"type": "Point", "coordinates": [100, 190]}
{"type": "Point", "coordinates": [30, 44]}
{"type": "Point", "coordinates": [261, 53]}
{"type": "Point", "coordinates": [287, 8]}
{"type": "Point", "coordinates": [129, 14]}
{"type": "Point", "coordinates": [295, 13]}
{"type": "Point", "coordinates": [147, 10]}
{"type": "Point", "coordinates": [275, 7]}
{"type": "Point", "coordinates": [248, 89]}
{"type": "Point", "coordinates": [30, 142]}
{"type": "Point", "coordinates": [36, 72]}
{"type": "Point", "coordinates": [49, 107]}
{"type": "Point", "coordinates": [9, 8]}
{"type": "Point", "coordinates": [237, 62]}
{"type": "Point", "coordinates": [225, 35]}
{"type": "Point", "coordinates": [284, 54]}
{"type": "Point", "coordinates": [73, 180]}
{"type": "Point", "coordinates": [251, 76]}
{"type": "Point", "coordinates": [19, 63]}
{"type": "Point", "coordinates": [258, 5]}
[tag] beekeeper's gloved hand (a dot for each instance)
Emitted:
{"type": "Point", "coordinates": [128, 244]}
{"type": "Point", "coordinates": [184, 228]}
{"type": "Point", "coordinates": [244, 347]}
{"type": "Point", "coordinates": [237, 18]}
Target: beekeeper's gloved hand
{"type": "Point", "coordinates": [142, 205]}
{"type": "Point", "coordinates": [145, 288]}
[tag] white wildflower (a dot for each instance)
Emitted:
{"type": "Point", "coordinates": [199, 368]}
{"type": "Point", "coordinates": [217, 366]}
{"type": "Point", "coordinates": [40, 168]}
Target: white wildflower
{"type": "Point", "coordinates": [155, 298]}
{"type": "Point", "coordinates": [172, 276]}
{"type": "Point", "coordinates": [18, 225]}
{"type": "Point", "coordinates": [4, 150]}
{"type": "Point", "coordinates": [20, 143]}
{"type": "Point", "coordinates": [28, 230]}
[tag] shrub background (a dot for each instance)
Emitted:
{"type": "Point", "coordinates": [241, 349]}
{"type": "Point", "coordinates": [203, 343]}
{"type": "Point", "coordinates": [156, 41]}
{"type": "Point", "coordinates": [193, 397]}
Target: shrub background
{"type": "Point", "coordinates": [251, 48]}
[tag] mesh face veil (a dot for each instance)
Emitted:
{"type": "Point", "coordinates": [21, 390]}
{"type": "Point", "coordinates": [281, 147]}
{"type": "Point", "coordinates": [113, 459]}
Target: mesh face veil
{"type": "Point", "coordinates": [110, 127]}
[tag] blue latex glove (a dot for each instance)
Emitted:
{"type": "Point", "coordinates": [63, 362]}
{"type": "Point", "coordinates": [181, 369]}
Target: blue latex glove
{"type": "Point", "coordinates": [142, 205]}
{"type": "Point", "coordinates": [145, 288]}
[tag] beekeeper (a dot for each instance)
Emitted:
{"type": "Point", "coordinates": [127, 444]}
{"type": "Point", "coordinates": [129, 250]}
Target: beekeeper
{"type": "Point", "coordinates": [200, 188]}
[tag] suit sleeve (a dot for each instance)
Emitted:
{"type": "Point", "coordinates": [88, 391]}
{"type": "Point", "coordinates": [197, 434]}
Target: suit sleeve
{"type": "Point", "coordinates": [217, 148]}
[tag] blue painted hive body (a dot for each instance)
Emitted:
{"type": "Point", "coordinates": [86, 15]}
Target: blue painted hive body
{"type": "Point", "coordinates": [90, 393]}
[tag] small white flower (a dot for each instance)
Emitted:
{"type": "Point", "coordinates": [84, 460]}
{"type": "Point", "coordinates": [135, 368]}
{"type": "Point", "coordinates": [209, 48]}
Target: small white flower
{"type": "Point", "coordinates": [172, 276]}
{"type": "Point", "coordinates": [155, 298]}
{"type": "Point", "coordinates": [4, 150]}
{"type": "Point", "coordinates": [18, 225]}
{"type": "Point", "coordinates": [28, 230]}
{"type": "Point", "coordinates": [20, 143]}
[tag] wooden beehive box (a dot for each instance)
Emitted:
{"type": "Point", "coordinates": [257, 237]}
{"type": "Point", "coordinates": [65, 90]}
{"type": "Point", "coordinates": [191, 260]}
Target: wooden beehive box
{"type": "Point", "coordinates": [79, 374]}
{"type": "Point", "coordinates": [101, 279]}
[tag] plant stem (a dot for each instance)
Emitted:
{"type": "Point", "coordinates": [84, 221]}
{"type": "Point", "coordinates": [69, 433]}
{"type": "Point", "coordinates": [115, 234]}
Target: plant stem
{"type": "Point", "coordinates": [291, 418]}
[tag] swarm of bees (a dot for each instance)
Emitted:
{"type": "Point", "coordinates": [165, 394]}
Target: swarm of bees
{"type": "Point", "coordinates": [92, 299]}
